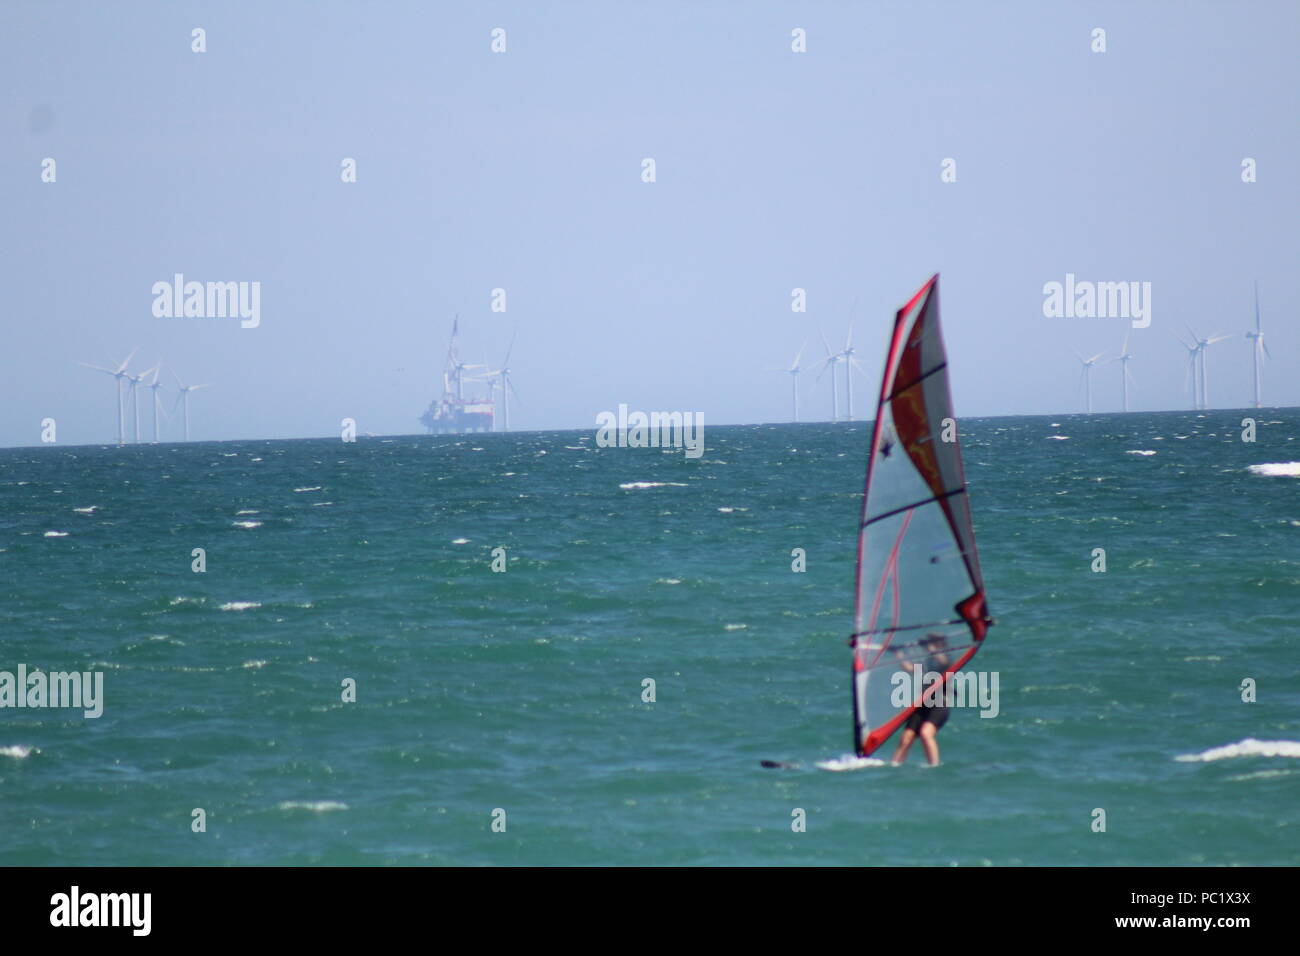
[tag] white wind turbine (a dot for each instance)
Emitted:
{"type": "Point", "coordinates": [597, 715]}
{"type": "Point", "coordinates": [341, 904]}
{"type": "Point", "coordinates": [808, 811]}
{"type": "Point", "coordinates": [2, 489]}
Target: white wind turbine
{"type": "Point", "coordinates": [1193, 376]}
{"type": "Point", "coordinates": [793, 371]}
{"type": "Point", "coordinates": [850, 363]}
{"type": "Point", "coordinates": [153, 387]}
{"type": "Point", "coordinates": [500, 378]}
{"type": "Point", "coordinates": [1201, 346]}
{"type": "Point", "coordinates": [135, 381]}
{"type": "Point", "coordinates": [832, 359]}
{"type": "Point", "coordinates": [184, 397]}
{"type": "Point", "coordinates": [1125, 375]}
{"type": "Point", "coordinates": [118, 373]}
{"type": "Point", "coordinates": [1259, 349]}
{"type": "Point", "coordinates": [1087, 375]}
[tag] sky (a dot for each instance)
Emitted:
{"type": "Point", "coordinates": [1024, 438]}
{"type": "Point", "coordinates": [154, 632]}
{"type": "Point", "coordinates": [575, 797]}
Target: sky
{"type": "Point", "coordinates": [522, 170]}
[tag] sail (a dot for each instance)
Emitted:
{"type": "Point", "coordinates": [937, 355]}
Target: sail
{"type": "Point", "coordinates": [918, 571]}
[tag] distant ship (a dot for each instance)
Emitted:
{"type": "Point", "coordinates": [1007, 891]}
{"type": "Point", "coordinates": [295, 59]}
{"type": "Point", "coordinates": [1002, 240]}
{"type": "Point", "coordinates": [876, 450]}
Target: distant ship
{"type": "Point", "coordinates": [453, 413]}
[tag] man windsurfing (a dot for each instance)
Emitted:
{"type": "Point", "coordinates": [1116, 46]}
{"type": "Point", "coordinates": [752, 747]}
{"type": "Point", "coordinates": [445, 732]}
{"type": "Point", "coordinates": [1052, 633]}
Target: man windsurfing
{"type": "Point", "coordinates": [928, 717]}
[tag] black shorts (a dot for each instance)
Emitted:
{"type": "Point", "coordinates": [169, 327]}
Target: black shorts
{"type": "Point", "coordinates": [922, 715]}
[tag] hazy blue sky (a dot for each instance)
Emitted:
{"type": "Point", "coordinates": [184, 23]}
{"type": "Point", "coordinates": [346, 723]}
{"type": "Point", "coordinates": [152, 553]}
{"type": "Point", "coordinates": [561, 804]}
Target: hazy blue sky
{"type": "Point", "coordinates": [522, 170]}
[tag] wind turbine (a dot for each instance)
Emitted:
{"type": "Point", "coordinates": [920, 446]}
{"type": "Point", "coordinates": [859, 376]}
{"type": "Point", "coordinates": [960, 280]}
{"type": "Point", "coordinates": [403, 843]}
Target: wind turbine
{"type": "Point", "coordinates": [118, 373]}
{"type": "Point", "coordinates": [1201, 346]}
{"type": "Point", "coordinates": [1125, 375]}
{"type": "Point", "coordinates": [1193, 373]}
{"type": "Point", "coordinates": [1259, 349]}
{"type": "Point", "coordinates": [1087, 375]}
{"type": "Point", "coordinates": [793, 371]}
{"type": "Point", "coordinates": [184, 397]}
{"type": "Point", "coordinates": [501, 379]}
{"type": "Point", "coordinates": [832, 359]}
{"type": "Point", "coordinates": [135, 381]}
{"type": "Point", "coordinates": [157, 402]}
{"type": "Point", "coordinates": [850, 363]}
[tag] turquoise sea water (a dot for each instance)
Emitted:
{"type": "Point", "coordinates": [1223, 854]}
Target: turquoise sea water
{"type": "Point", "coordinates": [522, 690]}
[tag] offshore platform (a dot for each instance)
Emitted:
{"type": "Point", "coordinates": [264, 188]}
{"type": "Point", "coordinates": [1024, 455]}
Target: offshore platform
{"type": "Point", "coordinates": [453, 413]}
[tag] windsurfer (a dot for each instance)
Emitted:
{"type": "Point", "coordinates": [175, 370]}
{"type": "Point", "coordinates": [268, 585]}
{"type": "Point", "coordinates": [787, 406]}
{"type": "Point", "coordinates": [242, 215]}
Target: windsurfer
{"type": "Point", "coordinates": [928, 717]}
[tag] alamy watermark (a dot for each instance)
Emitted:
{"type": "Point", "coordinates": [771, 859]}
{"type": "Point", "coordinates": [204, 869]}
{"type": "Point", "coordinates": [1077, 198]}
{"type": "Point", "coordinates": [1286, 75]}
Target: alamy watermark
{"type": "Point", "coordinates": [653, 430]}
{"type": "Point", "coordinates": [208, 300]}
{"type": "Point", "coordinates": [75, 908]}
{"type": "Point", "coordinates": [77, 689]}
{"type": "Point", "coordinates": [1074, 299]}
{"type": "Point", "coordinates": [962, 689]}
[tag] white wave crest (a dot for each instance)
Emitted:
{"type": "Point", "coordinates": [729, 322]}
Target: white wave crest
{"type": "Point", "coordinates": [629, 486]}
{"type": "Point", "coordinates": [316, 806]}
{"type": "Point", "coordinates": [238, 605]}
{"type": "Point", "coordinates": [1250, 747]}
{"type": "Point", "coordinates": [1276, 469]}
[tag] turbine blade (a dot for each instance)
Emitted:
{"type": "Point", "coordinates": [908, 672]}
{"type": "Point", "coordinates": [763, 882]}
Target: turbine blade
{"type": "Point", "coordinates": [824, 343]}
{"type": "Point", "coordinates": [506, 363]}
{"type": "Point", "coordinates": [127, 361]}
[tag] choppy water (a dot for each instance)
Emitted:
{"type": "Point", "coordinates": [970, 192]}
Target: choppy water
{"type": "Point", "coordinates": [522, 690]}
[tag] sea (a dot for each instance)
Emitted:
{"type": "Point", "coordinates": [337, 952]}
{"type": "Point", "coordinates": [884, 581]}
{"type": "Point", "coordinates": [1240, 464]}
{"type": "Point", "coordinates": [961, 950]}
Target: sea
{"type": "Point", "coordinates": [526, 649]}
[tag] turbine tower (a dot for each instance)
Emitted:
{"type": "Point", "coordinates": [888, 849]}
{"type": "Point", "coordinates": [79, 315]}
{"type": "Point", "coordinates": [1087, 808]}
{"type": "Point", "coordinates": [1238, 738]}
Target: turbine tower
{"type": "Point", "coordinates": [793, 371]}
{"type": "Point", "coordinates": [1259, 349]}
{"type": "Point", "coordinates": [1087, 376]}
{"type": "Point", "coordinates": [850, 363]}
{"type": "Point", "coordinates": [118, 373]}
{"type": "Point", "coordinates": [1125, 375]}
{"type": "Point", "coordinates": [135, 381]}
{"type": "Point", "coordinates": [157, 402]}
{"type": "Point", "coordinates": [184, 397]}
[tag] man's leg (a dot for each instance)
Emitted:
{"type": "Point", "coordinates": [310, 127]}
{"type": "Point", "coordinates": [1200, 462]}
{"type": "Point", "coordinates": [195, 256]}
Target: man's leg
{"type": "Point", "coordinates": [901, 753]}
{"type": "Point", "coordinates": [930, 741]}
